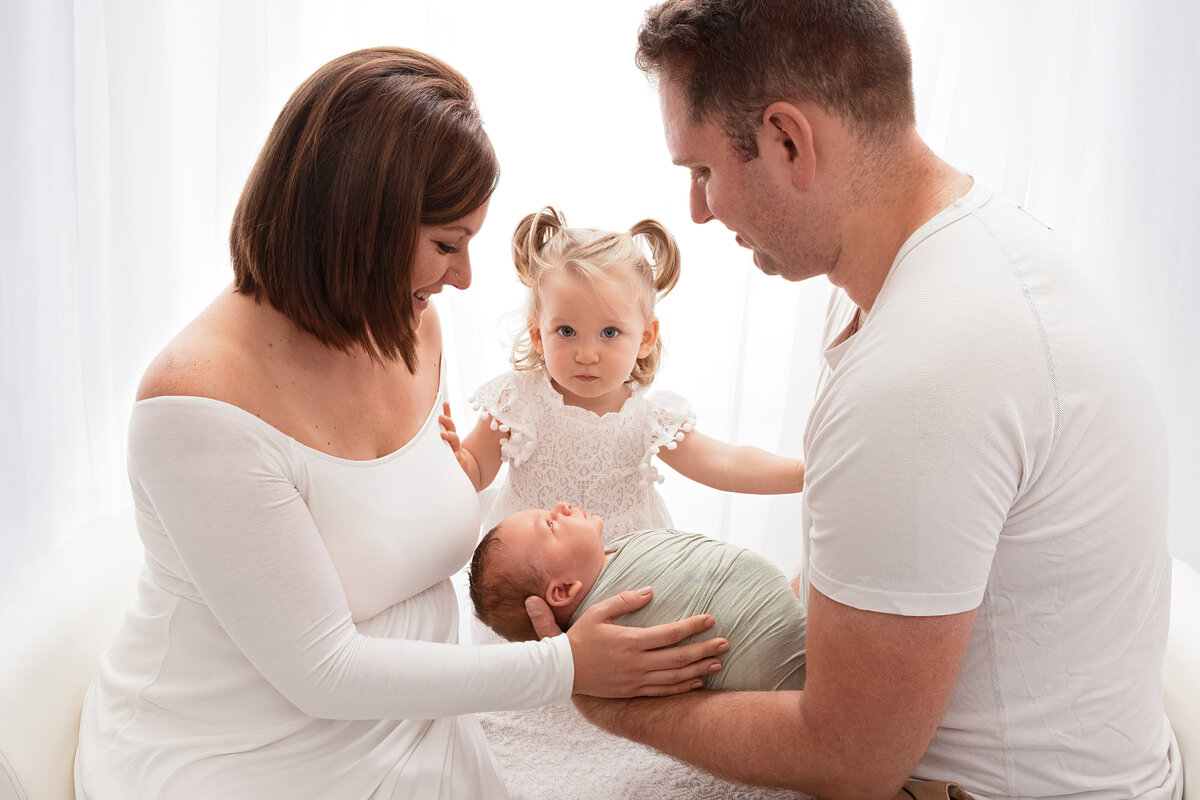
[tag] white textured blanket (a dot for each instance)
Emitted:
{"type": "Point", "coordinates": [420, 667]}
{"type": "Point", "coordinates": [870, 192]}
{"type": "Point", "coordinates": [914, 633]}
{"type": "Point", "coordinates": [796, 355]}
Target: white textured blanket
{"type": "Point", "coordinates": [552, 752]}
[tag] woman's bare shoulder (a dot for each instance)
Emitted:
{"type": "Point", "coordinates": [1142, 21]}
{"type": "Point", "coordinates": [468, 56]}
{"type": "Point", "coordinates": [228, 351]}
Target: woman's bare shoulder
{"type": "Point", "coordinates": [187, 367]}
{"type": "Point", "coordinates": [429, 335]}
{"type": "Point", "coordinates": [208, 358]}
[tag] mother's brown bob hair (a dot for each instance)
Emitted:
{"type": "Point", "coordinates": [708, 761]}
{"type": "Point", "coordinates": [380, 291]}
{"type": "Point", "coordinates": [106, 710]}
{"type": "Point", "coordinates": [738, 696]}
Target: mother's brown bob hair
{"type": "Point", "coordinates": [374, 144]}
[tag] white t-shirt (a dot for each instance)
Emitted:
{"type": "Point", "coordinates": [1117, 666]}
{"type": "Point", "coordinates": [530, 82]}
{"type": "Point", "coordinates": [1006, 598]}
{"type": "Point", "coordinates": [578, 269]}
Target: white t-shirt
{"type": "Point", "coordinates": [987, 440]}
{"type": "Point", "coordinates": [295, 629]}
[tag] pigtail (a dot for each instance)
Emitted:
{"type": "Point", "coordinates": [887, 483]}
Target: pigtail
{"type": "Point", "coordinates": [530, 238]}
{"type": "Point", "coordinates": [664, 268]}
{"type": "Point", "coordinates": [664, 254]}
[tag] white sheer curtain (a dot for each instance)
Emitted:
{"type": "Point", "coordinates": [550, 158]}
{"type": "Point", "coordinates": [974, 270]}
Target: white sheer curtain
{"type": "Point", "coordinates": [128, 128]}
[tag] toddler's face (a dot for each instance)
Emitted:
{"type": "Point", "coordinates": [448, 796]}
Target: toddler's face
{"type": "Point", "coordinates": [591, 335]}
{"type": "Point", "coordinates": [565, 542]}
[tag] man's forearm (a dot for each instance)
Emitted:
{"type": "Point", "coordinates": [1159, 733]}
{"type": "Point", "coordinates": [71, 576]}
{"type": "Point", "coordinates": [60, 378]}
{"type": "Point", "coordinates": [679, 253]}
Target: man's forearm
{"type": "Point", "coordinates": [870, 707]}
{"type": "Point", "coordinates": [871, 704]}
{"type": "Point", "coordinates": [758, 738]}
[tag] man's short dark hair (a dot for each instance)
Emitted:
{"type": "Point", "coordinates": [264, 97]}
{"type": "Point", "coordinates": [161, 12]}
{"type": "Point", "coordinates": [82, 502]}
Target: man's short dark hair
{"type": "Point", "coordinates": [733, 58]}
{"type": "Point", "coordinates": [373, 145]}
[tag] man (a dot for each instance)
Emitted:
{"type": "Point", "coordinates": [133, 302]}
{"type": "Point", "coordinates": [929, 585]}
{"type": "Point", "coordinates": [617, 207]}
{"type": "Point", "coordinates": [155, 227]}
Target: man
{"type": "Point", "coordinates": [987, 573]}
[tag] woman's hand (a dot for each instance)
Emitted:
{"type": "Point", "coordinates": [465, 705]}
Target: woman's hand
{"type": "Point", "coordinates": [614, 660]}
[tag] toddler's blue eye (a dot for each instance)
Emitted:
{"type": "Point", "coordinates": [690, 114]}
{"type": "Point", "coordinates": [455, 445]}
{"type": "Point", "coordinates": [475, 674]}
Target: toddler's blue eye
{"type": "Point", "coordinates": [565, 330]}
{"type": "Point", "coordinates": [610, 333]}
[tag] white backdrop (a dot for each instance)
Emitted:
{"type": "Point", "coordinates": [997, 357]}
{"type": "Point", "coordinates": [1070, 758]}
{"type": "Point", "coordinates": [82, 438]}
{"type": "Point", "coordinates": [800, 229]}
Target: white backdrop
{"type": "Point", "coordinates": [129, 125]}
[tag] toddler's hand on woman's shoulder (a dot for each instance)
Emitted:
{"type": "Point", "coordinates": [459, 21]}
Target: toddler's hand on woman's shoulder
{"type": "Point", "coordinates": [450, 436]}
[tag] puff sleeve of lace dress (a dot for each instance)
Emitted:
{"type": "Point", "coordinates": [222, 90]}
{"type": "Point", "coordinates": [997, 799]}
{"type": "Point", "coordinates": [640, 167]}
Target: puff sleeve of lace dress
{"type": "Point", "coordinates": [505, 399]}
{"type": "Point", "coordinates": [669, 418]}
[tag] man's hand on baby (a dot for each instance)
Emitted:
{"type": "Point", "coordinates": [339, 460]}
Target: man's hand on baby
{"type": "Point", "coordinates": [614, 660]}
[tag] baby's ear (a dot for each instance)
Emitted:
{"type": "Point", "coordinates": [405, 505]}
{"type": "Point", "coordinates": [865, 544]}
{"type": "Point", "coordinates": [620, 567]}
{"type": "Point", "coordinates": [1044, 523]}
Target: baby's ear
{"type": "Point", "coordinates": [535, 337]}
{"type": "Point", "coordinates": [649, 339]}
{"type": "Point", "coordinates": [561, 593]}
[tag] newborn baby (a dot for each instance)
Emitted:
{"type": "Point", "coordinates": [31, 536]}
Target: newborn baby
{"type": "Point", "coordinates": [560, 556]}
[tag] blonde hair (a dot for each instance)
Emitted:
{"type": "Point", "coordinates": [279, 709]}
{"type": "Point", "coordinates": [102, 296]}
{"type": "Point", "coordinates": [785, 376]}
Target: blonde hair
{"type": "Point", "coordinates": [543, 244]}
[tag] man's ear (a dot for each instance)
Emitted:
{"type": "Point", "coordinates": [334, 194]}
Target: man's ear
{"type": "Point", "coordinates": [649, 338]}
{"type": "Point", "coordinates": [535, 336]}
{"type": "Point", "coordinates": [561, 593]}
{"type": "Point", "coordinates": [787, 140]}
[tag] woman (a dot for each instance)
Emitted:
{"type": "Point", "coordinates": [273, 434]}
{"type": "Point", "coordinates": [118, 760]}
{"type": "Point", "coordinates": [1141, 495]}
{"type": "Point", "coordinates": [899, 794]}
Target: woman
{"type": "Point", "coordinates": [294, 631]}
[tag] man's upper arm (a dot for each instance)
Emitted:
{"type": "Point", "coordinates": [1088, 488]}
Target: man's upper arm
{"type": "Point", "coordinates": [878, 684]}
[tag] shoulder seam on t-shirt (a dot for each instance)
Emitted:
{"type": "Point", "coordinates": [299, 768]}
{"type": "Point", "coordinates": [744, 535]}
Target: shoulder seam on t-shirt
{"type": "Point", "coordinates": [1043, 337]}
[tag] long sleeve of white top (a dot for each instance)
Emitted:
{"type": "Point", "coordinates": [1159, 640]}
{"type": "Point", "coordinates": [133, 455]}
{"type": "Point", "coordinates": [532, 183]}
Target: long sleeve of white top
{"type": "Point", "coordinates": [226, 527]}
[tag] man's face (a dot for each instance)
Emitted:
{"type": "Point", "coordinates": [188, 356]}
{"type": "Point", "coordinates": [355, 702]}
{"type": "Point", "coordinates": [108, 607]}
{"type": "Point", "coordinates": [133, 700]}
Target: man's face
{"type": "Point", "coordinates": [754, 199]}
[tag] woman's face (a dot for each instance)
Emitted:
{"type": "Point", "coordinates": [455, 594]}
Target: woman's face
{"type": "Point", "coordinates": [442, 258]}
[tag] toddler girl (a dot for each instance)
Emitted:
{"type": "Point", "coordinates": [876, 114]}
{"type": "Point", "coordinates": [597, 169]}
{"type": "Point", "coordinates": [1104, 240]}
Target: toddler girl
{"type": "Point", "coordinates": [574, 420]}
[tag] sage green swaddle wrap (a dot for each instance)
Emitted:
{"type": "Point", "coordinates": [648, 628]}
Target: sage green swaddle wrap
{"type": "Point", "coordinates": [754, 606]}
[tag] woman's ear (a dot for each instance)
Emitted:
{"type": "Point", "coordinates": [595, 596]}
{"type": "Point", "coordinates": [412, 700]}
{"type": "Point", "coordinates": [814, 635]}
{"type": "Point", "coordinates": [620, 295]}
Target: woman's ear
{"type": "Point", "coordinates": [787, 141]}
{"type": "Point", "coordinates": [649, 338]}
{"type": "Point", "coordinates": [561, 593]}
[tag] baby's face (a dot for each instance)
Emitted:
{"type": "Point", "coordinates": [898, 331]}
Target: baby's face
{"type": "Point", "coordinates": [565, 542]}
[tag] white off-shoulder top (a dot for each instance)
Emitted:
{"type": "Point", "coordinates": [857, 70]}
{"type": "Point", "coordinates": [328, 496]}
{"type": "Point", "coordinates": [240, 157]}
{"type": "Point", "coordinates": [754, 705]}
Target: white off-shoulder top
{"type": "Point", "coordinates": [295, 629]}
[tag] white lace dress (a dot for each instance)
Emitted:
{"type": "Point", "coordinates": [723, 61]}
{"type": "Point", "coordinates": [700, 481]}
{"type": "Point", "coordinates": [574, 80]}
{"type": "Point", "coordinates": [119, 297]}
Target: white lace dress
{"type": "Point", "coordinates": [557, 452]}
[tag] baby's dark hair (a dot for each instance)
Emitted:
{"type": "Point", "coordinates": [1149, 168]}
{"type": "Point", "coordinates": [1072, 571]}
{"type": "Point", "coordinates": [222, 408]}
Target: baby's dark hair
{"type": "Point", "coordinates": [498, 591]}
